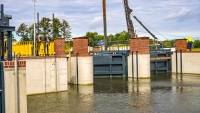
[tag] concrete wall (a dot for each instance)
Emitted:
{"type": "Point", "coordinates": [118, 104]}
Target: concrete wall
{"type": "Point", "coordinates": [46, 75]}
{"type": "Point", "coordinates": [143, 66]}
{"type": "Point", "coordinates": [85, 70]}
{"type": "Point", "coordinates": [10, 90]}
{"type": "Point", "coordinates": [190, 63]}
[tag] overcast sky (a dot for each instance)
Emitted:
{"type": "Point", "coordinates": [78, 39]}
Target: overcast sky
{"type": "Point", "coordinates": [172, 18]}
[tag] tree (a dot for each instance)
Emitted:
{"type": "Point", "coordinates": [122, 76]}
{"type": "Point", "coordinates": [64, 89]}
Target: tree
{"type": "Point", "coordinates": [23, 32]}
{"type": "Point", "coordinates": [196, 44]}
{"type": "Point", "coordinates": [6, 36]}
{"type": "Point", "coordinates": [45, 26]}
{"type": "Point", "coordinates": [13, 38]}
{"type": "Point", "coordinates": [166, 44]}
{"type": "Point", "coordinates": [57, 27]}
{"type": "Point", "coordinates": [65, 30]}
{"type": "Point", "coordinates": [123, 35]}
{"type": "Point", "coordinates": [92, 38]}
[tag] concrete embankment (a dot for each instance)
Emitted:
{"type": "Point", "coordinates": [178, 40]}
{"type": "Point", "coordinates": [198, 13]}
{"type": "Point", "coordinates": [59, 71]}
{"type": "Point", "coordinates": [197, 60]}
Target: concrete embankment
{"type": "Point", "coordinates": [32, 76]}
{"type": "Point", "coordinates": [190, 62]}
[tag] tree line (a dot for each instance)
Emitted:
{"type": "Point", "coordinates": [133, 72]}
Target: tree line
{"type": "Point", "coordinates": [45, 26]}
{"type": "Point", "coordinates": [94, 37]}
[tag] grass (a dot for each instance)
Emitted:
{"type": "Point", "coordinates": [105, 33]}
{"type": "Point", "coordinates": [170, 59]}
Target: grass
{"type": "Point", "coordinates": [195, 49]}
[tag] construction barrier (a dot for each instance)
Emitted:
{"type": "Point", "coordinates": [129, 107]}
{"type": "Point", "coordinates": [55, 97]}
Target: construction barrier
{"type": "Point", "coordinates": [23, 48]}
{"type": "Point", "coordinates": [26, 48]}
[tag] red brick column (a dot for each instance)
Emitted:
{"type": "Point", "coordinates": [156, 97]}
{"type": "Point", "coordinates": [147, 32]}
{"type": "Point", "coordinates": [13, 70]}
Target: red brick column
{"type": "Point", "coordinates": [80, 46]}
{"type": "Point", "coordinates": [59, 47]}
{"type": "Point", "coordinates": [11, 64]}
{"type": "Point", "coordinates": [96, 48]}
{"type": "Point", "coordinates": [181, 44]}
{"type": "Point", "coordinates": [140, 44]}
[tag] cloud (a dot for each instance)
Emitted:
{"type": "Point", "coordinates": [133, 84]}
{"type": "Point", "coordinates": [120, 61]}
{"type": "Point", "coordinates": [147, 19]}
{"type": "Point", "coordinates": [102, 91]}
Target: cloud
{"type": "Point", "coordinates": [165, 16]}
{"type": "Point", "coordinates": [96, 23]}
{"type": "Point", "coordinates": [181, 13]}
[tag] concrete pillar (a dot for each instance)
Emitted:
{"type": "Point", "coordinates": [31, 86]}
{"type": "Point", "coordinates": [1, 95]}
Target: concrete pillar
{"type": "Point", "coordinates": [81, 62]}
{"type": "Point", "coordinates": [59, 47]}
{"type": "Point", "coordinates": [15, 94]}
{"type": "Point", "coordinates": [181, 44]}
{"type": "Point", "coordinates": [141, 45]}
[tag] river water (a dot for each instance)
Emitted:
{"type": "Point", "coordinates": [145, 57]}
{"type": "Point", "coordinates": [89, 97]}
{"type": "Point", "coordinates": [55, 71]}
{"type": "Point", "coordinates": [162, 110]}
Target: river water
{"type": "Point", "coordinates": [160, 94]}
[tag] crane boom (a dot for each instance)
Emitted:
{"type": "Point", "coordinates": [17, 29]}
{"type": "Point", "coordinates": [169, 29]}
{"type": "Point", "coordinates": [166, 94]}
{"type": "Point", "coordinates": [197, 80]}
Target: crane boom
{"type": "Point", "coordinates": [145, 27]}
{"type": "Point", "coordinates": [129, 22]}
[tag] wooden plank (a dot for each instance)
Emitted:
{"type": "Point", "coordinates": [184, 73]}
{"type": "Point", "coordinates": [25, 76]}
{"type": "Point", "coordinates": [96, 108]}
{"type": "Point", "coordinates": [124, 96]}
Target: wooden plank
{"type": "Point", "coordinates": [160, 58]}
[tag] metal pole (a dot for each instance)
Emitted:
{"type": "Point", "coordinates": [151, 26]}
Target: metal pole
{"type": "Point", "coordinates": [17, 86]}
{"type": "Point", "coordinates": [34, 26]}
{"type": "Point", "coordinates": [181, 63]}
{"type": "Point", "coordinates": [137, 63]}
{"type": "Point", "coordinates": [53, 27]}
{"type": "Point", "coordinates": [176, 63]}
{"type": "Point", "coordinates": [2, 11]}
{"type": "Point", "coordinates": [9, 42]}
{"type": "Point", "coordinates": [104, 23]}
{"type": "Point", "coordinates": [118, 45]}
{"type": "Point", "coordinates": [77, 68]}
{"type": "Point", "coordinates": [2, 44]}
{"type": "Point", "coordinates": [38, 23]}
{"type": "Point", "coordinates": [132, 65]}
{"type": "Point", "coordinates": [2, 89]}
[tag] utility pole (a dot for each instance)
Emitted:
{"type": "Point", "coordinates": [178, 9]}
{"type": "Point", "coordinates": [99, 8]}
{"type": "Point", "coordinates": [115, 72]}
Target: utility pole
{"type": "Point", "coordinates": [104, 23]}
{"type": "Point", "coordinates": [34, 26]}
{"type": "Point", "coordinates": [53, 28]}
{"type": "Point", "coordinates": [129, 22]}
{"type": "Point", "coordinates": [38, 23]}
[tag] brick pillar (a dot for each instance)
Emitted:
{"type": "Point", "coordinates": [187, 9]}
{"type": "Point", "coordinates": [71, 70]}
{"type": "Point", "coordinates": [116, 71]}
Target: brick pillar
{"type": "Point", "coordinates": [80, 46]}
{"type": "Point", "coordinates": [181, 44]}
{"type": "Point", "coordinates": [59, 47]}
{"type": "Point", "coordinates": [140, 44]}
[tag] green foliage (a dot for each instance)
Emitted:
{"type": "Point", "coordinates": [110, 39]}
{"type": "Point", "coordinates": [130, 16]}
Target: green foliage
{"type": "Point", "coordinates": [65, 30]}
{"type": "Point", "coordinates": [94, 37]}
{"type": "Point", "coordinates": [57, 26]}
{"type": "Point", "coordinates": [23, 32]}
{"type": "Point", "coordinates": [166, 44]}
{"type": "Point", "coordinates": [6, 36]}
{"type": "Point", "coordinates": [196, 44]}
{"type": "Point", "coordinates": [45, 25]}
{"type": "Point", "coordinates": [61, 29]}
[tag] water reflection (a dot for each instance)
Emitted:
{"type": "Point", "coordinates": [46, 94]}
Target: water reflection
{"type": "Point", "coordinates": [161, 93]}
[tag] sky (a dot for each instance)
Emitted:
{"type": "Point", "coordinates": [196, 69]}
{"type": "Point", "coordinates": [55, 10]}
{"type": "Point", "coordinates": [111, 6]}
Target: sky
{"type": "Point", "coordinates": [167, 19]}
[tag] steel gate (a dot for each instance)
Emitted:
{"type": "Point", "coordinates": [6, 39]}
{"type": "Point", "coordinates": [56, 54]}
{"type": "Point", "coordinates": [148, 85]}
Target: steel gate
{"type": "Point", "coordinates": [110, 64]}
{"type": "Point", "coordinates": [2, 98]}
{"type": "Point", "coordinates": [160, 61]}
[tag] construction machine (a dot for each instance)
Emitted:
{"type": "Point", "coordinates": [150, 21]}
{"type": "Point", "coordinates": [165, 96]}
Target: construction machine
{"type": "Point", "coordinates": [130, 27]}
{"type": "Point", "coordinates": [129, 22]}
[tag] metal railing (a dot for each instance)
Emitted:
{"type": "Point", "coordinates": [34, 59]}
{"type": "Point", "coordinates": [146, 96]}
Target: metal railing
{"type": "Point", "coordinates": [112, 45]}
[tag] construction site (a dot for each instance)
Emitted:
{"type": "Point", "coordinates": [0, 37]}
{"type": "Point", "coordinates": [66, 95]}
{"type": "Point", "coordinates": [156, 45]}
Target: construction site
{"type": "Point", "coordinates": [81, 75]}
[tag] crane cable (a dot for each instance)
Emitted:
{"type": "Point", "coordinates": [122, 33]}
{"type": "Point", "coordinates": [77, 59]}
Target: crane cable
{"type": "Point", "coordinates": [151, 28]}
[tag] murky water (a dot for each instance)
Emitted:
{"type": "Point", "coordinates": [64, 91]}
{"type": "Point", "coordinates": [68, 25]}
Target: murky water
{"type": "Point", "coordinates": [160, 94]}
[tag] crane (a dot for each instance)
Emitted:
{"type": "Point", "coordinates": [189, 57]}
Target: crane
{"type": "Point", "coordinates": [129, 22]}
{"type": "Point", "coordinates": [130, 27]}
{"type": "Point", "coordinates": [155, 38]}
